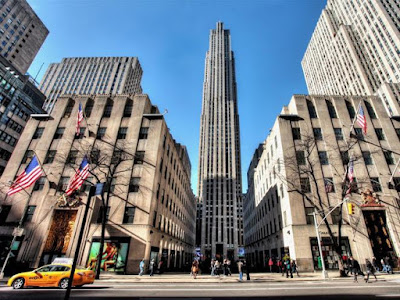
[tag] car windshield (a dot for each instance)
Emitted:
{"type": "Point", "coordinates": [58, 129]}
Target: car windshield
{"type": "Point", "coordinates": [44, 269]}
{"type": "Point", "coordinates": [52, 268]}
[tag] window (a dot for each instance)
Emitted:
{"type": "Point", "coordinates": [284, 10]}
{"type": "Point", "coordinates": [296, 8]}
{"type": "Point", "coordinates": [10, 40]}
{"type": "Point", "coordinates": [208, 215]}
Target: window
{"type": "Point", "coordinates": [323, 157]}
{"type": "Point", "coordinates": [331, 109]}
{"type": "Point", "coordinates": [398, 133]}
{"type": "Point", "coordinates": [380, 134]}
{"type": "Point", "coordinates": [122, 133]}
{"type": "Point", "coordinates": [129, 215]}
{"type": "Point", "coordinates": [134, 185]}
{"type": "Point", "coordinates": [370, 110]}
{"type": "Point", "coordinates": [311, 110]}
{"type": "Point", "coordinates": [100, 215]}
{"type": "Point", "coordinates": [389, 157]}
{"type": "Point", "coordinates": [101, 133]}
{"type": "Point", "coordinates": [29, 213]}
{"type": "Point", "coordinates": [396, 182]}
{"type": "Point", "coordinates": [68, 109]}
{"type": "Point", "coordinates": [359, 133]}
{"type": "Point", "coordinates": [113, 184]}
{"type": "Point", "coordinates": [72, 156]}
{"type": "Point", "coordinates": [28, 156]}
{"type": "Point", "coordinates": [128, 108]}
{"type": "Point", "coordinates": [376, 184]}
{"type": "Point", "coordinates": [87, 183]}
{"type": "Point", "coordinates": [88, 108]}
{"type": "Point", "coordinates": [305, 185]}
{"type": "Point", "coordinates": [4, 211]}
{"type": "Point", "coordinates": [338, 133]}
{"type": "Point", "coordinates": [81, 133]}
{"type": "Point", "coordinates": [39, 184]}
{"type": "Point", "coordinates": [345, 157]}
{"type": "Point", "coordinates": [139, 157]}
{"type": "Point", "coordinates": [62, 184]}
{"type": "Point", "coordinates": [95, 156]}
{"type": "Point", "coordinates": [367, 157]}
{"type": "Point", "coordinates": [50, 156]}
{"type": "Point", "coordinates": [329, 185]}
{"type": "Point", "coordinates": [301, 160]}
{"type": "Point", "coordinates": [296, 133]}
{"type": "Point", "coordinates": [336, 216]}
{"type": "Point", "coordinates": [309, 215]}
{"type": "Point", "coordinates": [38, 133]}
{"type": "Point", "coordinates": [59, 133]}
{"type": "Point", "coordinates": [317, 134]}
{"type": "Point", "coordinates": [350, 109]}
{"type": "Point", "coordinates": [143, 133]}
{"type": "Point", "coordinates": [108, 109]}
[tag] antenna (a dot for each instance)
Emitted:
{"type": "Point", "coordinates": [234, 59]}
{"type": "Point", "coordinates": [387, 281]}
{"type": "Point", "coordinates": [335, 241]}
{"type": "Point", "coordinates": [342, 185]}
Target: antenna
{"type": "Point", "coordinates": [39, 71]}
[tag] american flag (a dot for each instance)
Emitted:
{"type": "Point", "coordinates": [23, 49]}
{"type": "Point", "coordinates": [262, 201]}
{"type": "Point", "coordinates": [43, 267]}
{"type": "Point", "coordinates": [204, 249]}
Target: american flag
{"type": "Point", "coordinates": [328, 186]}
{"type": "Point", "coordinates": [32, 172]}
{"type": "Point", "coordinates": [361, 120]}
{"type": "Point", "coordinates": [79, 120]}
{"type": "Point", "coordinates": [350, 173]}
{"type": "Point", "coordinates": [80, 175]}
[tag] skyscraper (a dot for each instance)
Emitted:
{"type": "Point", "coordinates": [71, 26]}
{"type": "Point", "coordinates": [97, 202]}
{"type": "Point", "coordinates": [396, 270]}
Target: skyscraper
{"type": "Point", "coordinates": [355, 50]}
{"type": "Point", "coordinates": [91, 75]}
{"type": "Point", "coordinates": [22, 33]}
{"type": "Point", "coordinates": [219, 180]}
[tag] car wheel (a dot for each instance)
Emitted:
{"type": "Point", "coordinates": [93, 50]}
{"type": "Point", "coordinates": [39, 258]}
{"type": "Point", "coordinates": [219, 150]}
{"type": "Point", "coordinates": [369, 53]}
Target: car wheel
{"type": "Point", "coordinates": [63, 283]}
{"type": "Point", "coordinates": [18, 283]}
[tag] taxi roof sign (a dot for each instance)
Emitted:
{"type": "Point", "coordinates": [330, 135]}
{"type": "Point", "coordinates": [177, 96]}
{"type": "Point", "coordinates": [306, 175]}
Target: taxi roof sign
{"type": "Point", "coordinates": [63, 260]}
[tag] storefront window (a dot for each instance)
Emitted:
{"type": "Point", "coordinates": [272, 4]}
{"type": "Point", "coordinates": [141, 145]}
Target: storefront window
{"type": "Point", "coordinates": [330, 257]}
{"type": "Point", "coordinates": [114, 256]}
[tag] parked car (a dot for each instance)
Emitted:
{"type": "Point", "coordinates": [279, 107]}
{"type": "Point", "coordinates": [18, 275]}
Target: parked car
{"type": "Point", "coordinates": [54, 275]}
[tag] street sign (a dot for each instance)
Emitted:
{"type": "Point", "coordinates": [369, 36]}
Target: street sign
{"type": "Point", "coordinates": [99, 188]}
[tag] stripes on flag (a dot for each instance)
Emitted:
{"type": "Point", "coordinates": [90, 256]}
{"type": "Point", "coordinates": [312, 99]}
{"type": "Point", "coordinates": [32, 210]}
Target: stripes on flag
{"type": "Point", "coordinates": [80, 175]}
{"type": "Point", "coordinates": [350, 172]}
{"type": "Point", "coordinates": [79, 119]}
{"type": "Point", "coordinates": [32, 172]}
{"type": "Point", "coordinates": [361, 119]}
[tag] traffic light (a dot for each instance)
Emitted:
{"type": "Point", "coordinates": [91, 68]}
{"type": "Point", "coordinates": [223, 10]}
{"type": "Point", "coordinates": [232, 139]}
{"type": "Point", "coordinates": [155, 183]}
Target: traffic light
{"type": "Point", "coordinates": [350, 207]}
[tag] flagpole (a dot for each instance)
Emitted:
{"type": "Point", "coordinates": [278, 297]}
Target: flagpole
{"type": "Point", "coordinates": [394, 171]}
{"type": "Point", "coordinates": [355, 118]}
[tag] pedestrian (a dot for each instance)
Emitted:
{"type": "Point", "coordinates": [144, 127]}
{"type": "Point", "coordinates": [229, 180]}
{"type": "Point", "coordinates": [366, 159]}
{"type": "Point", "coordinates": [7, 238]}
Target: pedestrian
{"type": "Point", "coordinates": [141, 267]}
{"type": "Point", "coordinates": [225, 267]}
{"type": "Point", "coordinates": [217, 267]}
{"type": "Point", "coordinates": [389, 268]}
{"type": "Point", "coordinates": [151, 267]}
{"type": "Point", "coordinates": [240, 269]}
{"type": "Point", "coordinates": [270, 264]}
{"type": "Point", "coordinates": [288, 268]}
{"type": "Point", "coordinates": [160, 267]}
{"type": "Point", "coordinates": [294, 268]}
{"type": "Point", "coordinates": [355, 267]}
{"type": "Point", "coordinates": [375, 264]}
{"type": "Point", "coordinates": [228, 263]}
{"type": "Point", "coordinates": [212, 267]}
{"type": "Point", "coordinates": [195, 268]}
{"type": "Point", "coordinates": [370, 270]}
{"type": "Point", "coordinates": [279, 265]}
{"type": "Point", "coordinates": [246, 269]}
{"type": "Point", "coordinates": [283, 267]}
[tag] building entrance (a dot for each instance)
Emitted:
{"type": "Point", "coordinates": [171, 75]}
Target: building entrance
{"type": "Point", "coordinates": [375, 221]}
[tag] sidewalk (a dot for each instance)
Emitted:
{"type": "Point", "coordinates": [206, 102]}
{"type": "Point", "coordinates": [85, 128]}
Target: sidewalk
{"type": "Point", "coordinates": [255, 277]}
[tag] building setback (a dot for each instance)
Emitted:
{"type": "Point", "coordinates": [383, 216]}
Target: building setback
{"type": "Point", "coordinates": [151, 213]}
{"type": "Point", "coordinates": [278, 219]}
{"type": "Point", "coordinates": [354, 50]}
{"type": "Point", "coordinates": [22, 33]}
{"type": "Point", "coordinates": [219, 180]}
{"type": "Point", "coordinates": [91, 76]}
{"type": "Point", "coordinates": [19, 97]}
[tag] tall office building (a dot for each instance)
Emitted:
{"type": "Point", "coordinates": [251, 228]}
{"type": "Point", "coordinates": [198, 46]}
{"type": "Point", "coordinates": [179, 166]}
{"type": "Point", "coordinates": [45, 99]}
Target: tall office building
{"type": "Point", "coordinates": [22, 33]}
{"type": "Point", "coordinates": [219, 180]}
{"type": "Point", "coordinates": [355, 50]}
{"type": "Point", "coordinates": [91, 75]}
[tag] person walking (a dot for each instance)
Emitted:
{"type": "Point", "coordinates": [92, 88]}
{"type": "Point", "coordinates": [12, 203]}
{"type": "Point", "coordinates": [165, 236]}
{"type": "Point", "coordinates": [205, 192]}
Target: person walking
{"type": "Point", "coordinates": [355, 267]}
{"type": "Point", "coordinates": [225, 267]}
{"type": "Point", "coordinates": [141, 267]}
{"type": "Point", "coordinates": [217, 267]}
{"type": "Point", "coordinates": [212, 267]}
{"type": "Point", "coordinates": [240, 269]}
{"type": "Point", "coordinates": [246, 269]}
{"type": "Point", "coordinates": [370, 270]}
{"type": "Point", "coordinates": [388, 265]}
{"type": "Point", "coordinates": [160, 267]}
{"type": "Point", "coordinates": [270, 264]}
{"type": "Point", "coordinates": [228, 263]}
{"type": "Point", "coordinates": [151, 267]}
{"type": "Point", "coordinates": [375, 264]}
{"type": "Point", "coordinates": [294, 268]}
{"type": "Point", "coordinates": [288, 268]}
{"type": "Point", "coordinates": [195, 268]}
{"type": "Point", "coordinates": [279, 265]}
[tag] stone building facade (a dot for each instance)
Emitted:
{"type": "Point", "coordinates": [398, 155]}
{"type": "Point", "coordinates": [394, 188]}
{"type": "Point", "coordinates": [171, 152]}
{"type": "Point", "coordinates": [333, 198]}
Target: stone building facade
{"type": "Point", "coordinates": [151, 211]}
{"type": "Point", "coordinates": [22, 33]}
{"type": "Point", "coordinates": [219, 180]}
{"type": "Point", "coordinates": [279, 221]}
{"type": "Point", "coordinates": [91, 76]}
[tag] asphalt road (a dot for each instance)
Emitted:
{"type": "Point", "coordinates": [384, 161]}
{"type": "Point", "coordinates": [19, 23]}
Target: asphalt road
{"type": "Point", "coordinates": [338, 289]}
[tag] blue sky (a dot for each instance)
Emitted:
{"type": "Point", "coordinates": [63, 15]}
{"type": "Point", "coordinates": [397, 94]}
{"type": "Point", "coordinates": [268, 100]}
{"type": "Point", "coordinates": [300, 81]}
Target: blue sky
{"type": "Point", "coordinates": [170, 37]}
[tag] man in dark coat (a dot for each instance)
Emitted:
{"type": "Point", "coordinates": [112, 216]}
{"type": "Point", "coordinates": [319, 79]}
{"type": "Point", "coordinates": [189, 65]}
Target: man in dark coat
{"type": "Point", "coordinates": [355, 267]}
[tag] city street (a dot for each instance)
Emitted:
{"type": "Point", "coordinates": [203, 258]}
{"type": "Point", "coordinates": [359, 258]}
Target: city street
{"type": "Point", "coordinates": [388, 288]}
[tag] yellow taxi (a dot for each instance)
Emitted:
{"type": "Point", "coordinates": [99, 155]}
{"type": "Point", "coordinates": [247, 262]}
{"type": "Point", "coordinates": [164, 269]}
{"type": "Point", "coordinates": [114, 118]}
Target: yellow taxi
{"type": "Point", "coordinates": [54, 275]}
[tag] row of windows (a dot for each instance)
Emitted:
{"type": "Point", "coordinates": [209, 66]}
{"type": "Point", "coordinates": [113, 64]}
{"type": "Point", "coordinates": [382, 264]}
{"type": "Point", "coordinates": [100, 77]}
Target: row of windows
{"type": "Point", "coordinates": [8, 139]}
{"type": "Point", "coordinates": [107, 110]}
{"type": "Point", "coordinates": [129, 215]}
